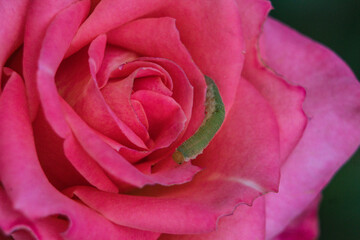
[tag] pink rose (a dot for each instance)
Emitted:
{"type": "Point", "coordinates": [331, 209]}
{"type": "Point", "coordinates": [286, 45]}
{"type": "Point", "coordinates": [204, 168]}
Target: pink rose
{"type": "Point", "coordinates": [97, 96]}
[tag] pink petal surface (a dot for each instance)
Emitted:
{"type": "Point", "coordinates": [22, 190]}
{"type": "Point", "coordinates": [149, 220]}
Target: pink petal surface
{"type": "Point", "coordinates": [286, 100]}
{"type": "Point", "coordinates": [153, 84]}
{"type": "Point", "coordinates": [246, 223]}
{"type": "Point", "coordinates": [44, 228]}
{"type": "Point", "coordinates": [140, 112]}
{"type": "Point", "coordinates": [88, 168]}
{"type": "Point", "coordinates": [44, 199]}
{"type": "Point", "coordinates": [59, 170]}
{"type": "Point", "coordinates": [248, 167]}
{"type": "Point", "coordinates": [110, 14]}
{"type": "Point", "coordinates": [160, 38]}
{"type": "Point", "coordinates": [96, 54]}
{"type": "Point", "coordinates": [146, 69]}
{"type": "Point", "coordinates": [217, 26]}
{"type": "Point", "coordinates": [10, 219]}
{"type": "Point", "coordinates": [39, 15]}
{"type": "Point", "coordinates": [114, 57]}
{"type": "Point", "coordinates": [303, 227]}
{"type": "Point", "coordinates": [164, 215]}
{"type": "Point", "coordinates": [51, 227]}
{"type": "Point", "coordinates": [332, 105]}
{"type": "Point", "coordinates": [12, 18]}
{"type": "Point", "coordinates": [56, 41]}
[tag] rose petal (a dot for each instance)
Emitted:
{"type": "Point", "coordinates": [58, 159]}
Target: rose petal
{"type": "Point", "coordinates": [49, 149]}
{"type": "Point", "coordinates": [217, 26]}
{"type": "Point", "coordinates": [18, 158]}
{"type": "Point", "coordinates": [147, 213]}
{"type": "Point", "coordinates": [303, 227]}
{"type": "Point", "coordinates": [12, 18]}
{"type": "Point", "coordinates": [286, 100]}
{"type": "Point", "coordinates": [96, 54]}
{"type": "Point", "coordinates": [109, 14]}
{"type": "Point", "coordinates": [51, 227]}
{"type": "Point", "coordinates": [87, 166]}
{"type": "Point", "coordinates": [56, 41]}
{"type": "Point", "coordinates": [332, 105]}
{"type": "Point", "coordinates": [153, 84]}
{"type": "Point", "coordinates": [39, 15]}
{"type": "Point", "coordinates": [10, 219]}
{"type": "Point", "coordinates": [140, 112]}
{"type": "Point", "coordinates": [147, 67]}
{"type": "Point", "coordinates": [114, 57]}
{"type": "Point", "coordinates": [246, 223]}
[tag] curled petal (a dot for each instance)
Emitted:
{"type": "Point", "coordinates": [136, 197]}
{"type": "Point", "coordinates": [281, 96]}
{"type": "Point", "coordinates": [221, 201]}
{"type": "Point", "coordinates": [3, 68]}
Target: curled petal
{"type": "Point", "coordinates": [56, 41]}
{"type": "Point", "coordinates": [40, 14]}
{"type": "Point", "coordinates": [12, 17]}
{"type": "Point", "coordinates": [332, 106]}
{"type": "Point", "coordinates": [286, 100]}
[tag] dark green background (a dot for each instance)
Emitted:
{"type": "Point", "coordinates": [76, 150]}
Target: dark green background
{"type": "Point", "coordinates": [336, 24]}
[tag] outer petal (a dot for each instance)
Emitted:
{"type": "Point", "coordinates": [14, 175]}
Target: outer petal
{"type": "Point", "coordinates": [246, 223]}
{"type": "Point", "coordinates": [333, 108]}
{"type": "Point", "coordinates": [18, 158]}
{"type": "Point", "coordinates": [305, 226]}
{"type": "Point", "coordinates": [12, 17]}
{"type": "Point", "coordinates": [285, 99]}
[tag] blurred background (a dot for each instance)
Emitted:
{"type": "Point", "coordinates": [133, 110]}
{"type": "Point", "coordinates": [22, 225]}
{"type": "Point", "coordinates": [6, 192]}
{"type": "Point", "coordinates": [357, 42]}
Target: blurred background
{"type": "Point", "coordinates": [336, 24]}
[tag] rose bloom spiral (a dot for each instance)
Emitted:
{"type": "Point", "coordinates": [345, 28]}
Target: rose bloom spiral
{"type": "Point", "coordinates": [100, 98]}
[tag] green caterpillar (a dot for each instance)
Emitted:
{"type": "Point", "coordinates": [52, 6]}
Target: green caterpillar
{"type": "Point", "coordinates": [215, 115]}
